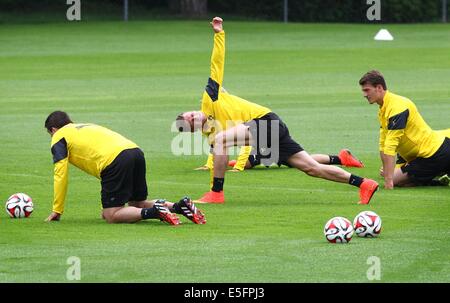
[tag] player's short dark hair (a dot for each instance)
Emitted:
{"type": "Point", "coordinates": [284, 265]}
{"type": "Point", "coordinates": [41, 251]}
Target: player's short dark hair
{"type": "Point", "coordinates": [181, 124]}
{"type": "Point", "coordinates": [57, 119]}
{"type": "Point", "coordinates": [373, 78]}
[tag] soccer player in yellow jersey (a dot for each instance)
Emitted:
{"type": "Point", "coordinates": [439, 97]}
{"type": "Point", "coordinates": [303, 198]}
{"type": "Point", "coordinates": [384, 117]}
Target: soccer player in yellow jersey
{"type": "Point", "coordinates": [120, 165]}
{"type": "Point", "coordinates": [404, 131]}
{"type": "Point", "coordinates": [233, 121]}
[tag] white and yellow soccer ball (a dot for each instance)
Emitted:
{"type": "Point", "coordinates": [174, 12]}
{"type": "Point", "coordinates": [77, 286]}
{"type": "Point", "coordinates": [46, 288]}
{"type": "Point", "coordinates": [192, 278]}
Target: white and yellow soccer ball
{"type": "Point", "coordinates": [19, 205]}
{"type": "Point", "coordinates": [367, 224]}
{"type": "Point", "coordinates": [338, 230]}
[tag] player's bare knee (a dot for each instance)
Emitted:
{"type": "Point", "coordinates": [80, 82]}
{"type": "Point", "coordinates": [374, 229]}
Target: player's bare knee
{"type": "Point", "coordinates": [109, 217]}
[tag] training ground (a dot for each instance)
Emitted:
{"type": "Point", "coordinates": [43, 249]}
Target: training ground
{"type": "Point", "coordinates": [136, 77]}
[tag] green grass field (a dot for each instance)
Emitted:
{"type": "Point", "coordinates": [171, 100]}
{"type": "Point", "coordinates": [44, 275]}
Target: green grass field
{"type": "Point", "coordinates": [136, 77]}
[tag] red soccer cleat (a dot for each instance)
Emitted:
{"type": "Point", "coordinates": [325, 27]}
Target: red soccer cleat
{"type": "Point", "coordinates": [212, 197]}
{"type": "Point", "coordinates": [191, 212]}
{"type": "Point", "coordinates": [164, 213]}
{"type": "Point", "coordinates": [232, 163]}
{"type": "Point", "coordinates": [366, 190]}
{"type": "Point", "coordinates": [347, 159]}
{"type": "Point", "coordinates": [170, 218]}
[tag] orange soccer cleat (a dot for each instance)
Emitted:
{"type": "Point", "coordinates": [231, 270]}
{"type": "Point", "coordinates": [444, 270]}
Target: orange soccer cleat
{"type": "Point", "coordinates": [347, 159]}
{"type": "Point", "coordinates": [212, 197]}
{"type": "Point", "coordinates": [366, 190]}
{"type": "Point", "coordinates": [164, 213]}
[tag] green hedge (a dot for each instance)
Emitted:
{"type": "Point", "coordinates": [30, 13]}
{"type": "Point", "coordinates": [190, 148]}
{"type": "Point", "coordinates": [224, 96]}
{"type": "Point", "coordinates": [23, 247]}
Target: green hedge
{"type": "Point", "coordinates": [299, 10]}
{"type": "Point", "coordinates": [333, 10]}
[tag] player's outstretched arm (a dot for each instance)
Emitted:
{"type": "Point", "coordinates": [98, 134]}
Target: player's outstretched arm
{"type": "Point", "coordinates": [60, 182]}
{"type": "Point", "coordinates": [217, 58]}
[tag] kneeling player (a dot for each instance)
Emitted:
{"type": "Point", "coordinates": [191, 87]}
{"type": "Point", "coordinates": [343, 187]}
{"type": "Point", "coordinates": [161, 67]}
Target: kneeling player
{"type": "Point", "coordinates": [120, 165]}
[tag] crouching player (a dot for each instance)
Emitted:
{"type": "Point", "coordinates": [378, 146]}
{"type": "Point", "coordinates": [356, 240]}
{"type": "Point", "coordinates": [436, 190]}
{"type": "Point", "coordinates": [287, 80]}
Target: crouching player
{"type": "Point", "coordinates": [120, 165]}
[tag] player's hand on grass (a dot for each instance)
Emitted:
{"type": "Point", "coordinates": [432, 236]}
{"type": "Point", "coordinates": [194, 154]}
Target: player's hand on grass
{"type": "Point", "coordinates": [53, 217]}
{"type": "Point", "coordinates": [204, 167]}
{"type": "Point", "coordinates": [217, 24]}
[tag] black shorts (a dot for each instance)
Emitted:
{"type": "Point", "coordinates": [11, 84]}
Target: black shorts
{"type": "Point", "coordinates": [271, 140]}
{"type": "Point", "coordinates": [423, 170]}
{"type": "Point", "coordinates": [124, 179]}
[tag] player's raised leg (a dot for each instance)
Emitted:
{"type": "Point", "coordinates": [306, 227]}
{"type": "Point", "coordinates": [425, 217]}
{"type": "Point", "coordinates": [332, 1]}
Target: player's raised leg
{"type": "Point", "coordinates": [304, 162]}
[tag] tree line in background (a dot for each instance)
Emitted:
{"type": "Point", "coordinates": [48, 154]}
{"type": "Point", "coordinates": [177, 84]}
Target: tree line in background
{"type": "Point", "coordinates": [299, 10]}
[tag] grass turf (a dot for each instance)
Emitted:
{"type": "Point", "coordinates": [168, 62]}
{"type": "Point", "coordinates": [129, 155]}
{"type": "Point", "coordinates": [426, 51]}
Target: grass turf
{"type": "Point", "coordinates": [135, 77]}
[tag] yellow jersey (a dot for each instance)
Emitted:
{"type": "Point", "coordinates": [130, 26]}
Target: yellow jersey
{"type": "Point", "coordinates": [89, 147]}
{"type": "Point", "coordinates": [404, 131]}
{"type": "Point", "coordinates": [217, 104]}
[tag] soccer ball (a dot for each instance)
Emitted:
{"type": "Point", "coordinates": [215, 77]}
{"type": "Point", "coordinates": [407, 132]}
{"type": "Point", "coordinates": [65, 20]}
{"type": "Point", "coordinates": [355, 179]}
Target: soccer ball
{"type": "Point", "coordinates": [338, 230]}
{"type": "Point", "coordinates": [19, 205]}
{"type": "Point", "coordinates": [367, 224]}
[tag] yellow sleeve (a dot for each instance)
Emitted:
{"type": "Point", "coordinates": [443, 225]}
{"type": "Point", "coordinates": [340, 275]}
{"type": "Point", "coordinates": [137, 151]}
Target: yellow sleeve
{"type": "Point", "coordinates": [60, 185]}
{"type": "Point", "coordinates": [60, 154]}
{"type": "Point", "coordinates": [393, 138]}
{"type": "Point", "coordinates": [218, 58]}
{"type": "Point", "coordinates": [382, 138]}
{"type": "Point", "coordinates": [397, 122]}
{"type": "Point", "coordinates": [243, 157]}
{"type": "Point", "coordinates": [215, 80]}
{"type": "Point", "coordinates": [210, 162]}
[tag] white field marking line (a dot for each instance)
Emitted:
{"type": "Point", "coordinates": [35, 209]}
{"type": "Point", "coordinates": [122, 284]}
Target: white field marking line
{"type": "Point", "coordinates": [278, 188]}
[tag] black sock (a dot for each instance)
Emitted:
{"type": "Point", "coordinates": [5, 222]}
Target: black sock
{"type": "Point", "coordinates": [355, 180]}
{"type": "Point", "coordinates": [334, 160]}
{"type": "Point", "coordinates": [218, 184]}
{"type": "Point", "coordinates": [149, 213]}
